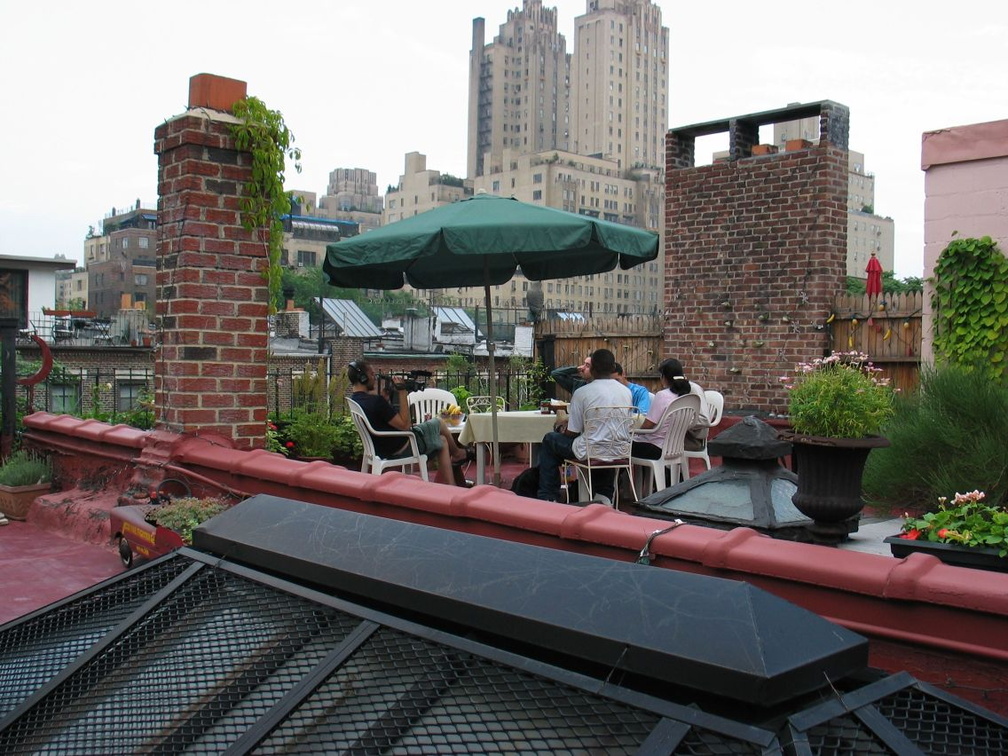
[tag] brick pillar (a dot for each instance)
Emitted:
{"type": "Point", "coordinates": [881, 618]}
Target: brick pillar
{"type": "Point", "coordinates": [210, 372]}
{"type": "Point", "coordinates": [755, 251]}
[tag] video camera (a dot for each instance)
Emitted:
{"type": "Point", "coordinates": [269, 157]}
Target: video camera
{"type": "Point", "coordinates": [389, 384]}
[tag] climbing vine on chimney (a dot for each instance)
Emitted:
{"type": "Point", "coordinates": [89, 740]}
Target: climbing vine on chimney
{"type": "Point", "coordinates": [970, 305]}
{"type": "Point", "coordinates": [263, 134]}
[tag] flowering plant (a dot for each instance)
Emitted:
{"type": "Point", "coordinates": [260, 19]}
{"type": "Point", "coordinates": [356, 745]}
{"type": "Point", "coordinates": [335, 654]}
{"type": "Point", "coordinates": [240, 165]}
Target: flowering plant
{"type": "Point", "coordinates": [839, 396]}
{"type": "Point", "coordinates": [966, 521]}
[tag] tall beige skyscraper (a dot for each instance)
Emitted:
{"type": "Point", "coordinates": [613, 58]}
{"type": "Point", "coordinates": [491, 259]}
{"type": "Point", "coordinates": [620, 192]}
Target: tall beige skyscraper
{"type": "Point", "coordinates": [519, 87]}
{"type": "Point", "coordinates": [619, 81]}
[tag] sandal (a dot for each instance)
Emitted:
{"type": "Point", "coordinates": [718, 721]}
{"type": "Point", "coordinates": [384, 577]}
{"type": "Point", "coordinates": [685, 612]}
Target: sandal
{"type": "Point", "coordinates": [470, 456]}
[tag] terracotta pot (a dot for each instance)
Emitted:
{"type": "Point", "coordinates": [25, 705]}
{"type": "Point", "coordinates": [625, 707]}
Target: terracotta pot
{"type": "Point", "coordinates": [829, 481]}
{"type": "Point", "coordinates": [15, 501]}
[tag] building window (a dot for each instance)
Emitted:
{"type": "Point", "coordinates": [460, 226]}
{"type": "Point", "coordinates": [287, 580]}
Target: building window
{"type": "Point", "coordinates": [305, 258]}
{"type": "Point", "coordinates": [130, 393]}
{"type": "Point", "coordinates": [495, 186]}
{"type": "Point", "coordinates": [140, 279]}
{"type": "Point", "coordinates": [125, 242]}
{"type": "Point", "coordinates": [537, 178]}
{"type": "Point", "coordinates": [65, 398]}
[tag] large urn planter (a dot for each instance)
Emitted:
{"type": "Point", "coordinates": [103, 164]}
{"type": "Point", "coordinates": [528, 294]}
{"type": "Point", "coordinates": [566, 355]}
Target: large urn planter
{"type": "Point", "coordinates": [955, 554]}
{"type": "Point", "coordinates": [15, 501]}
{"type": "Point", "coordinates": [829, 482]}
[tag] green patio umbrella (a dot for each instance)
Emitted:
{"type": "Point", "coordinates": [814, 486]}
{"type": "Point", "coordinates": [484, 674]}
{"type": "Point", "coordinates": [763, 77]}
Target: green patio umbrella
{"type": "Point", "coordinates": [482, 241]}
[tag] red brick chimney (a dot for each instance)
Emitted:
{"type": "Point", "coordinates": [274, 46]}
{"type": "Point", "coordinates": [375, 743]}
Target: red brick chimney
{"type": "Point", "coordinates": [210, 372]}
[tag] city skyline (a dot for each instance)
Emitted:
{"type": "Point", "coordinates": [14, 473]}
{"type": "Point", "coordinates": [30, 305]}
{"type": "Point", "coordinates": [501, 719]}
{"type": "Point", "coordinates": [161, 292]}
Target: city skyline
{"type": "Point", "coordinates": [85, 91]}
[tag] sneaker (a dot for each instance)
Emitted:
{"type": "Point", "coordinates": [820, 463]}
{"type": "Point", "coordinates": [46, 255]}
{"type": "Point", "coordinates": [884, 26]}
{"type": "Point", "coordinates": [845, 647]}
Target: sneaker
{"type": "Point", "coordinates": [3, 520]}
{"type": "Point", "coordinates": [602, 499]}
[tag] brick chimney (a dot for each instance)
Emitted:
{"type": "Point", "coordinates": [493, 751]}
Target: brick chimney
{"type": "Point", "coordinates": [210, 372]}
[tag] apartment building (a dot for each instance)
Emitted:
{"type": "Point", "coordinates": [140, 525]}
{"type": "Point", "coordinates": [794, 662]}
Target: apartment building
{"type": "Point", "coordinates": [121, 262]}
{"type": "Point", "coordinates": [352, 195]}
{"type": "Point", "coordinates": [519, 87]}
{"type": "Point", "coordinates": [619, 80]}
{"type": "Point", "coordinates": [421, 189]}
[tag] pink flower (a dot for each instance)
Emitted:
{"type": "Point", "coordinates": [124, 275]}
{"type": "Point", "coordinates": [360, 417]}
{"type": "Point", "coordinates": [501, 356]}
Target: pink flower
{"type": "Point", "coordinates": [943, 532]}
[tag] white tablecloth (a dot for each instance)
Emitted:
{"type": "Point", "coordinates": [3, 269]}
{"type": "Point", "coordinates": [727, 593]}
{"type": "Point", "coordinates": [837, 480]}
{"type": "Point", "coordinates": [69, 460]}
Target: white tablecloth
{"type": "Point", "coordinates": [524, 426]}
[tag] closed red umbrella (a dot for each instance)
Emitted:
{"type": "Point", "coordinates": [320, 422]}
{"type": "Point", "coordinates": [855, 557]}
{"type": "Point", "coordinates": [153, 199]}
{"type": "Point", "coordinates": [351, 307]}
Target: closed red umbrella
{"type": "Point", "coordinates": [873, 287]}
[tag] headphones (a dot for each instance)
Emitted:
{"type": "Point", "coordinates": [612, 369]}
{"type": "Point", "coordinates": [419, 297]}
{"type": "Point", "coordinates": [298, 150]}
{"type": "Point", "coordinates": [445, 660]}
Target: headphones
{"type": "Point", "coordinates": [355, 373]}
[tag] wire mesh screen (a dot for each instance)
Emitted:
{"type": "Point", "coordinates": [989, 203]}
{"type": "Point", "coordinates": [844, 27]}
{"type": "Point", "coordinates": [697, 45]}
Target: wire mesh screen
{"type": "Point", "coordinates": [401, 694]}
{"type": "Point", "coordinates": [845, 735]}
{"type": "Point", "coordinates": [36, 650]}
{"type": "Point", "coordinates": [192, 675]}
{"type": "Point", "coordinates": [936, 726]}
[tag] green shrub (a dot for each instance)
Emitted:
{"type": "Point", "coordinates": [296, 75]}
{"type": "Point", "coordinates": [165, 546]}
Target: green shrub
{"type": "Point", "coordinates": [947, 437]}
{"type": "Point", "coordinates": [23, 468]}
{"type": "Point", "coordinates": [184, 514]}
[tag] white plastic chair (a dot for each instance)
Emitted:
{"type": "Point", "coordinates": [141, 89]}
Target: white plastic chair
{"type": "Point", "coordinates": [614, 427]}
{"type": "Point", "coordinates": [371, 459]}
{"type": "Point", "coordinates": [429, 401]}
{"type": "Point", "coordinates": [715, 405]}
{"type": "Point", "coordinates": [680, 415]}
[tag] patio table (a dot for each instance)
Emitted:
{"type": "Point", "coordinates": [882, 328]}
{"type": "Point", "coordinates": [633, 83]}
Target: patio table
{"type": "Point", "coordinates": [522, 426]}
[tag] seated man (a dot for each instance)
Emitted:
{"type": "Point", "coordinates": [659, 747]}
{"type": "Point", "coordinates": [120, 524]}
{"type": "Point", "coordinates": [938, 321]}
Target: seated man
{"type": "Point", "coordinates": [641, 396]}
{"type": "Point", "coordinates": [431, 435]}
{"type": "Point", "coordinates": [572, 378]}
{"type": "Point", "coordinates": [567, 441]}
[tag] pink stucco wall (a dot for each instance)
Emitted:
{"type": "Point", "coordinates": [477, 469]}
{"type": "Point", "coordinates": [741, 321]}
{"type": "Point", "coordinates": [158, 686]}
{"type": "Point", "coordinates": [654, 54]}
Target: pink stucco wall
{"type": "Point", "coordinates": [965, 191]}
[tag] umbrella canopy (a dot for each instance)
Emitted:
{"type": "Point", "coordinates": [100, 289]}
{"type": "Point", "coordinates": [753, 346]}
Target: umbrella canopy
{"type": "Point", "coordinates": [482, 241]}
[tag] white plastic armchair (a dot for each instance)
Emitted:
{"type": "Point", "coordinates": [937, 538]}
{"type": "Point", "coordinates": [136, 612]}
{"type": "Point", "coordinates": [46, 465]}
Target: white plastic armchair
{"type": "Point", "coordinates": [483, 403]}
{"type": "Point", "coordinates": [429, 402]}
{"type": "Point", "coordinates": [680, 415]}
{"type": "Point", "coordinates": [715, 406]}
{"type": "Point", "coordinates": [371, 460]}
{"type": "Point", "coordinates": [614, 426]}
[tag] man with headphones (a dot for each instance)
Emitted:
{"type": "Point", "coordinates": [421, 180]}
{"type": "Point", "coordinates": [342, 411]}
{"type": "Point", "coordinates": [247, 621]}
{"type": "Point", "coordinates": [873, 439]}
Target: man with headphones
{"type": "Point", "coordinates": [431, 435]}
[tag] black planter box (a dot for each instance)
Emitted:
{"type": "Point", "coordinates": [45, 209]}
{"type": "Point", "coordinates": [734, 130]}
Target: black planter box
{"type": "Point", "coordinates": [950, 553]}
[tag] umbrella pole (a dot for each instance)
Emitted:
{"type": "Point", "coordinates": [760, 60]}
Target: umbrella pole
{"type": "Point", "coordinates": [495, 446]}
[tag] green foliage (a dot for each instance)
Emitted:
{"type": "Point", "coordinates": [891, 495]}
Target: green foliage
{"type": "Point", "coordinates": [312, 434]}
{"type": "Point", "coordinates": [890, 284]}
{"type": "Point", "coordinates": [966, 521]}
{"type": "Point", "coordinates": [348, 443]}
{"type": "Point", "coordinates": [184, 514]}
{"type": "Point", "coordinates": [139, 416]}
{"type": "Point", "coordinates": [461, 394]}
{"type": "Point", "coordinates": [839, 396]}
{"type": "Point", "coordinates": [263, 134]}
{"type": "Point", "coordinates": [531, 382]}
{"type": "Point", "coordinates": [949, 436]}
{"type": "Point", "coordinates": [457, 364]}
{"type": "Point", "coordinates": [970, 304]}
{"type": "Point", "coordinates": [25, 468]}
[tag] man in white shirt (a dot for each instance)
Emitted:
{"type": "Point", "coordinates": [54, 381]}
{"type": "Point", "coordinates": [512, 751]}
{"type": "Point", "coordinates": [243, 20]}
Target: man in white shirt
{"type": "Point", "coordinates": [568, 441]}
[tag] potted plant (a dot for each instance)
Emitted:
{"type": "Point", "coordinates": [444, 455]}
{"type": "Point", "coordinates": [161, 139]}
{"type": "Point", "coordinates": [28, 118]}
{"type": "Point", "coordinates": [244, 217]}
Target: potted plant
{"type": "Point", "coordinates": [966, 532]}
{"type": "Point", "coordinates": [837, 407]}
{"type": "Point", "coordinates": [23, 477]}
{"type": "Point", "coordinates": [348, 449]}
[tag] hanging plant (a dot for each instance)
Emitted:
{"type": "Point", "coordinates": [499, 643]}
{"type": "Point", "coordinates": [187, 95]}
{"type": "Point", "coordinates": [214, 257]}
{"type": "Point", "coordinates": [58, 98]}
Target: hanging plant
{"type": "Point", "coordinates": [970, 305]}
{"type": "Point", "coordinates": [263, 134]}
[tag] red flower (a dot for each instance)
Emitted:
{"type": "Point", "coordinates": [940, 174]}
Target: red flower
{"type": "Point", "coordinates": [289, 444]}
{"type": "Point", "coordinates": [911, 535]}
{"type": "Point", "coordinates": [943, 532]}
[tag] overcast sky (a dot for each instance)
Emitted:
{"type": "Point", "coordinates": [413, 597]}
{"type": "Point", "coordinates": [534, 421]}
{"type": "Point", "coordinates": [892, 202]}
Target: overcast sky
{"type": "Point", "coordinates": [363, 82]}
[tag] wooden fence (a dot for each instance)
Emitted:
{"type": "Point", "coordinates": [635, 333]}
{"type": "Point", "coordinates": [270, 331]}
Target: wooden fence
{"type": "Point", "coordinates": [636, 341]}
{"type": "Point", "coordinates": [887, 327]}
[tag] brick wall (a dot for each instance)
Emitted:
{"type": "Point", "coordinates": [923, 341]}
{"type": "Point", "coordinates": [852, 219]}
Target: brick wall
{"type": "Point", "coordinates": [755, 251]}
{"type": "Point", "coordinates": [211, 297]}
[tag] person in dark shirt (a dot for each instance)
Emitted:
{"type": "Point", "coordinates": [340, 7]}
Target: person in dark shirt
{"type": "Point", "coordinates": [572, 378]}
{"type": "Point", "coordinates": [432, 435]}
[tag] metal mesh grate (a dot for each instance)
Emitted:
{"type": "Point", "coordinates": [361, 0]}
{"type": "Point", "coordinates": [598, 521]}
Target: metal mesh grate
{"type": "Point", "coordinates": [402, 694]}
{"type": "Point", "coordinates": [844, 736]}
{"type": "Point", "coordinates": [192, 675]}
{"type": "Point", "coordinates": [938, 727]}
{"type": "Point", "coordinates": [35, 651]}
{"type": "Point", "coordinates": [706, 743]}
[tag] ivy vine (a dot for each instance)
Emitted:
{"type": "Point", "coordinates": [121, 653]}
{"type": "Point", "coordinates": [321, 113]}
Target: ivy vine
{"type": "Point", "coordinates": [970, 305]}
{"type": "Point", "coordinates": [263, 134]}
